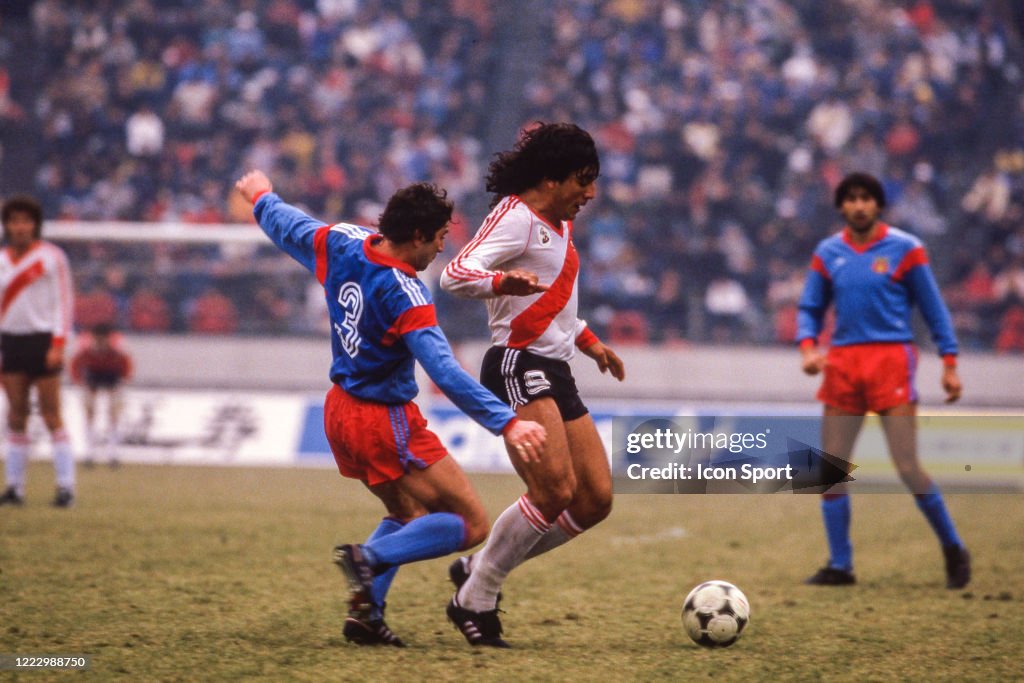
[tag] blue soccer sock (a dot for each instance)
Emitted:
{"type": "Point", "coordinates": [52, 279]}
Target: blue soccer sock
{"type": "Point", "coordinates": [382, 582]}
{"type": "Point", "coordinates": [836, 513]}
{"type": "Point", "coordinates": [934, 509]}
{"type": "Point", "coordinates": [426, 537]}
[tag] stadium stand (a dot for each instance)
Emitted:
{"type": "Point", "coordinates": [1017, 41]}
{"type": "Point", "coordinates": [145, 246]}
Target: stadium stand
{"type": "Point", "coordinates": [723, 127]}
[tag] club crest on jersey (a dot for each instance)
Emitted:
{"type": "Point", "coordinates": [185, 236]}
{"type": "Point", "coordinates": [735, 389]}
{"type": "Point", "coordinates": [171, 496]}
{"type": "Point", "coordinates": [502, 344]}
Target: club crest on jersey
{"type": "Point", "coordinates": [545, 236]}
{"type": "Point", "coordinates": [880, 265]}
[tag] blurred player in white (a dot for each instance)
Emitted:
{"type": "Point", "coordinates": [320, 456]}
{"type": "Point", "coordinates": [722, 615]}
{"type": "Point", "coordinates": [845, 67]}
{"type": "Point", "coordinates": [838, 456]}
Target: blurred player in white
{"type": "Point", "coordinates": [101, 368]}
{"type": "Point", "coordinates": [523, 263]}
{"type": "Point", "coordinates": [35, 321]}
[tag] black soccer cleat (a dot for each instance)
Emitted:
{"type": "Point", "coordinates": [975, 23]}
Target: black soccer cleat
{"type": "Point", "coordinates": [64, 498]}
{"type": "Point", "coordinates": [830, 576]}
{"type": "Point", "coordinates": [481, 629]}
{"type": "Point", "coordinates": [357, 571]}
{"type": "Point", "coordinates": [459, 571]}
{"type": "Point", "coordinates": [370, 632]}
{"type": "Point", "coordinates": [958, 566]}
{"type": "Point", "coordinates": [11, 497]}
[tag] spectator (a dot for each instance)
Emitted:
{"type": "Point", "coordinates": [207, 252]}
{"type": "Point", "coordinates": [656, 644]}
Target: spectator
{"type": "Point", "coordinates": [94, 306]}
{"type": "Point", "coordinates": [1010, 338]}
{"type": "Point", "coordinates": [144, 133]}
{"type": "Point", "coordinates": [148, 311]}
{"type": "Point", "coordinates": [212, 313]}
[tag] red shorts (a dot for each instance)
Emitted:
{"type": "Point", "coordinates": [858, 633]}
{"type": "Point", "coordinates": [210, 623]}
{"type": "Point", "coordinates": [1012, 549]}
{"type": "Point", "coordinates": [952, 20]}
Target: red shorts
{"type": "Point", "coordinates": [376, 442]}
{"type": "Point", "coordinates": [869, 377]}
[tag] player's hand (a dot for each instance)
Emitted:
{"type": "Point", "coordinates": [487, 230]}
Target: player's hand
{"type": "Point", "coordinates": [526, 439]}
{"type": "Point", "coordinates": [520, 283]}
{"type": "Point", "coordinates": [812, 360]}
{"type": "Point", "coordinates": [951, 384]}
{"type": "Point", "coordinates": [253, 184]}
{"type": "Point", "coordinates": [606, 360]}
{"type": "Point", "coordinates": [54, 358]}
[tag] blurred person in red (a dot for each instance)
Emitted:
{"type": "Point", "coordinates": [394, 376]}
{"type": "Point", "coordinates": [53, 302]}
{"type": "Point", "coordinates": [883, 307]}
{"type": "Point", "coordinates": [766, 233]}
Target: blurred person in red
{"type": "Point", "coordinates": [148, 311]}
{"type": "Point", "coordinates": [101, 367]}
{"type": "Point", "coordinates": [213, 313]}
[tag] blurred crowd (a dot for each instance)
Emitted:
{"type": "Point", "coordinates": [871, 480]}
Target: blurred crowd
{"type": "Point", "coordinates": [723, 127]}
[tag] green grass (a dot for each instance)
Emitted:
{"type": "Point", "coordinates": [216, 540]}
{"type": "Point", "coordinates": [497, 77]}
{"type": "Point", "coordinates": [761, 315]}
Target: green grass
{"type": "Point", "coordinates": [174, 573]}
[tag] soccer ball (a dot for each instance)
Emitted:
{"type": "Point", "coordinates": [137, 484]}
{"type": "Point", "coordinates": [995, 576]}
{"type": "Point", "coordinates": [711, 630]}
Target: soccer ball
{"type": "Point", "coordinates": [715, 614]}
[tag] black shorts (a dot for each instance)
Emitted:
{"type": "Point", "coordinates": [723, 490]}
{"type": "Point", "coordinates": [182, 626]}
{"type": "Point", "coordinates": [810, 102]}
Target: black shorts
{"type": "Point", "coordinates": [518, 377]}
{"type": "Point", "coordinates": [26, 354]}
{"type": "Point", "coordinates": [102, 380]}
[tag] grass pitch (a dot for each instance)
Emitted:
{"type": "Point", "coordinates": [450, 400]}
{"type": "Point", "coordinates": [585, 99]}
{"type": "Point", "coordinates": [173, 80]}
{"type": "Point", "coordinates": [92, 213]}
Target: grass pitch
{"type": "Point", "coordinates": [176, 573]}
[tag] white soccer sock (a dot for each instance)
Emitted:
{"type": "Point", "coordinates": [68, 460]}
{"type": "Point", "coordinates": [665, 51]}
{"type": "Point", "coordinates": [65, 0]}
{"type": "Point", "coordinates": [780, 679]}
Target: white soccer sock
{"type": "Point", "coordinates": [562, 531]}
{"type": "Point", "coordinates": [14, 465]}
{"type": "Point", "coordinates": [515, 531]}
{"type": "Point", "coordinates": [90, 442]}
{"type": "Point", "coordinates": [63, 460]}
{"type": "Point", "coordinates": [113, 442]}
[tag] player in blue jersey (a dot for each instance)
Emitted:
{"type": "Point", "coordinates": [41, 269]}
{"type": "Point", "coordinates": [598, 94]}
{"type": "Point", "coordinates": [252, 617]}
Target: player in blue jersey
{"type": "Point", "coordinates": [873, 274]}
{"type": "Point", "coordinates": [383, 319]}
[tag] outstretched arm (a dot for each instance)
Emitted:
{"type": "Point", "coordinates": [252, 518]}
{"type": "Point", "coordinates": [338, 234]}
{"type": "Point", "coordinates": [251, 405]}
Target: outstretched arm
{"type": "Point", "coordinates": [432, 350]}
{"type": "Point", "coordinates": [291, 230]}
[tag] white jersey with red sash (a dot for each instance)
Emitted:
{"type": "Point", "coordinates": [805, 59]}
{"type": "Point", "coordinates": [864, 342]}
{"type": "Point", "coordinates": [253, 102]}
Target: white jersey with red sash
{"type": "Point", "coordinates": [513, 237]}
{"type": "Point", "coordinates": [36, 292]}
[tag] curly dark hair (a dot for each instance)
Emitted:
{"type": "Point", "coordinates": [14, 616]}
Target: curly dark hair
{"type": "Point", "coordinates": [417, 210]}
{"type": "Point", "coordinates": [24, 204]}
{"type": "Point", "coordinates": [548, 151]}
{"type": "Point", "coordinates": [862, 181]}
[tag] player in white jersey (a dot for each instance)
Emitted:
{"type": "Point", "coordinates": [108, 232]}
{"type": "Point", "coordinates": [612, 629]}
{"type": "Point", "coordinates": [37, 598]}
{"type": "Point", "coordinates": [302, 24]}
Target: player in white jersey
{"type": "Point", "coordinates": [523, 262]}
{"type": "Point", "coordinates": [35, 321]}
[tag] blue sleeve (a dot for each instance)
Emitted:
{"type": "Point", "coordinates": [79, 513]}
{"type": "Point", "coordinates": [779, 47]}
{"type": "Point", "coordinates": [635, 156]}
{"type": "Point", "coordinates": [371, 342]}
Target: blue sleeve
{"type": "Point", "coordinates": [814, 302]}
{"type": "Point", "coordinates": [925, 292]}
{"type": "Point", "coordinates": [432, 350]}
{"type": "Point", "coordinates": [290, 229]}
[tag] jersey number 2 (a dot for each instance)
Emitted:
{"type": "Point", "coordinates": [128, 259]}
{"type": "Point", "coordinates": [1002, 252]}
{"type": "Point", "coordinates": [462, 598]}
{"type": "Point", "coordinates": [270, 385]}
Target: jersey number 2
{"type": "Point", "coordinates": [350, 298]}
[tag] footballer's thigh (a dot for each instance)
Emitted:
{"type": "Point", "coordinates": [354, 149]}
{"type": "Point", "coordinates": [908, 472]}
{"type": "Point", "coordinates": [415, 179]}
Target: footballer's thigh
{"type": "Point", "coordinates": [444, 487]}
{"type": "Point", "coordinates": [400, 505]}
{"type": "Point", "coordinates": [16, 388]}
{"type": "Point", "coordinates": [550, 481]}
{"type": "Point", "coordinates": [592, 501]}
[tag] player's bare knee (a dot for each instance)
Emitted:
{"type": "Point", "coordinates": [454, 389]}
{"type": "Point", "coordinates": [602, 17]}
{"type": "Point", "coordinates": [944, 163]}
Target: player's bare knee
{"type": "Point", "coordinates": [551, 500]}
{"type": "Point", "coordinates": [591, 508]}
{"type": "Point", "coordinates": [599, 510]}
{"type": "Point", "coordinates": [909, 471]}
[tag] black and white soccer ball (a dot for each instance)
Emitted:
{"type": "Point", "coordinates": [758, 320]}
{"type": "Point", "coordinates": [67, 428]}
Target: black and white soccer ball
{"type": "Point", "coordinates": [715, 614]}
